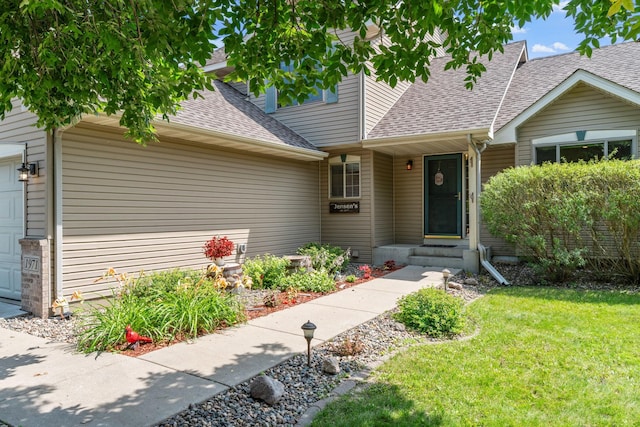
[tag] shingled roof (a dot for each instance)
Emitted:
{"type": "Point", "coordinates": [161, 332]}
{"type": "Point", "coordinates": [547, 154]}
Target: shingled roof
{"type": "Point", "coordinates": [226, 111]}
{"type": "Point", "coordinates": [618, 63]}
{"type": "Point", "coordinates": [443, 104]}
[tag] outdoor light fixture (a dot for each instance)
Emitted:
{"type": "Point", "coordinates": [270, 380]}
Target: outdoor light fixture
{"type": "Point", "coordinates": [409, 165]}
{"type": "Point", "coordinates": [26, 170]}
{"type": "Point", "coordinates": [445, 275]}
{"type": "Point", "coordinates": [308, 329]}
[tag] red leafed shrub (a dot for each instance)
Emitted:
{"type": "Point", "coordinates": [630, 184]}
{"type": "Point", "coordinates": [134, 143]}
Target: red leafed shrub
{"type": "Point", "coordinates": [218, 247]}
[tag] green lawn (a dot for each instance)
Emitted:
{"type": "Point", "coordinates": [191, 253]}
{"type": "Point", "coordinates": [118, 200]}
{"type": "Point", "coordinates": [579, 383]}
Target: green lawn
{"type": "Point", "coordinates": [542, 357]}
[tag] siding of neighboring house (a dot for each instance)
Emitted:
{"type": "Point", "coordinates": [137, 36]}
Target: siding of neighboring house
{"type": "Point", "coordinates": [582, 108]}
{"type": "Point", "coordinates": [409, 199]}
{"type": "Point", "coordinates": [349, 230]}
{"type": "Point", "coordinates": [383, 199]}
{"type": "Point", "coordinates": [495, 159]}
{"type": "Point", "coordinates": [19, 126]}
{"type": "Point", "coordinates": [131, 207]}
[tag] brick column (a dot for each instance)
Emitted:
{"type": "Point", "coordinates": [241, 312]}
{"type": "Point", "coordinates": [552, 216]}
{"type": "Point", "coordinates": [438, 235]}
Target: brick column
{"type": "Point", "coordinates": [36, 280]}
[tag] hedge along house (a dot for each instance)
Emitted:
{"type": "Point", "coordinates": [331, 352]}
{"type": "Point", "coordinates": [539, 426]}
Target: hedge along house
{"type": "Point", "coordinates": [379, 170]}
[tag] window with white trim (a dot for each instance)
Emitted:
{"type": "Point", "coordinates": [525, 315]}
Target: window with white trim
{"type": "Point", "coordinates": [586, 146]}
{"type": "Point", "coordinates": [344, 177]}
{"type": "Point", "coordinates": [272, 104]}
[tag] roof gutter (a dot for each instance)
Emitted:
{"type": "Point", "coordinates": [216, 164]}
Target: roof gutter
{"type": "Point", "coordinates": [423, 137]}
{"type": "Point", "coordinates": [269, 147]}
{"type": "Point", "coordinates": [298, 152]}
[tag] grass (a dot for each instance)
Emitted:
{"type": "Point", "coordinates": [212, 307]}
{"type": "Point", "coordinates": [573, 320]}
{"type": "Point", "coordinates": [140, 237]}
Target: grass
{"type": "Point", "coordinates": [544, 356]}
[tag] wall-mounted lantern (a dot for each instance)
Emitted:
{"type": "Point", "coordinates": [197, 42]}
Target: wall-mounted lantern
{"type": "Point", "coordinates": [26, 170]}
{"type": "Point", "coordinates": [409, 165]}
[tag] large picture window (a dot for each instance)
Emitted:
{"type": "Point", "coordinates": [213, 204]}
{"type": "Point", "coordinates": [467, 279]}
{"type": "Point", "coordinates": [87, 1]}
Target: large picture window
{"type": "Point", "coordinates": [620, 145]}
{"type": "Point", "coordinates": [344, 177]}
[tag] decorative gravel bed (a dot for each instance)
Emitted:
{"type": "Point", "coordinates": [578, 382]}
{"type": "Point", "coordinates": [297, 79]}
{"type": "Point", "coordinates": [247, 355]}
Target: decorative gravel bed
{"type": "Point", "coordinates": [304, 385]}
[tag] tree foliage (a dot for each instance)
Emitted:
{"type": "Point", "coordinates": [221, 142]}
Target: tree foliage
{"type": "Point", "coordinates": [65, 58]}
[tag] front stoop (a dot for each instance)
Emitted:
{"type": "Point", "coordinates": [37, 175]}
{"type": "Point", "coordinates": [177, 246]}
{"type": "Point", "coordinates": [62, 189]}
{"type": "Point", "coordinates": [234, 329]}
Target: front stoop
{"type": "Point", "coordinates": [449, 254]}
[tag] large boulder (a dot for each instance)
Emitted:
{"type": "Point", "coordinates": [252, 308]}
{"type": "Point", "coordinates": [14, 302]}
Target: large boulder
{"type": "Point", "coordinates": [267, 389]}
{"type": "Point", "coordinates": [331, 366]}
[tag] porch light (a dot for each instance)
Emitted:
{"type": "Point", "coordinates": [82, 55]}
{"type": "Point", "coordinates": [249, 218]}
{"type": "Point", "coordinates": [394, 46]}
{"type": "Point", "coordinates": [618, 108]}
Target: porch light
{"type": "Point", "coordinates": [308, 329]}
{"type": "Point", "coordinates": [409, 165]}
{"type": "Point", "coordinates": [26, 170]}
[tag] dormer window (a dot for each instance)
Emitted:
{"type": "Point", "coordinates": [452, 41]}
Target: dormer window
{"type": "Point", "coordinates": [322, 96]}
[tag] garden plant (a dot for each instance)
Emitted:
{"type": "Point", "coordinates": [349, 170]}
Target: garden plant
{"type": "Point", "coordinates": [564, 216]}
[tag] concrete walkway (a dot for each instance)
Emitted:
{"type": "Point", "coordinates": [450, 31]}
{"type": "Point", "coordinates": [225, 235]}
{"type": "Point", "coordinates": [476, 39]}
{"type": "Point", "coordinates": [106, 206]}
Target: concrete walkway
{"type": "Point", "coordinates": [50, 384]}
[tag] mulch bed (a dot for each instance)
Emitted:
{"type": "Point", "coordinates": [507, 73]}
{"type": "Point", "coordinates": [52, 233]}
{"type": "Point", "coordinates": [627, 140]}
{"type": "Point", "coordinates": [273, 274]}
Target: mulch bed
{"type": "Point", "coordinates": [256, 311]}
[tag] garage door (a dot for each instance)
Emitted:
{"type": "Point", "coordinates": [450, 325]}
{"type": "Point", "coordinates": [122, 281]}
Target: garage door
{"type": "Point", "coordinates": [11, 224]}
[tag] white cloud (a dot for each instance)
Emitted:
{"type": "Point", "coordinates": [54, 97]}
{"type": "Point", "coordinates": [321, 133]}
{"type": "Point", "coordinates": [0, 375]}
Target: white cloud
{"type": "Point", "coordinates": [554, 48]}
{"type": "Point", "coordinates": [542, 48]}
{"type": "Point", "coordinates": [517, 30]}
{"type": "Point", "coordinates": [560, 46]}
{"type": "Point", "coordinates": [557, 8]}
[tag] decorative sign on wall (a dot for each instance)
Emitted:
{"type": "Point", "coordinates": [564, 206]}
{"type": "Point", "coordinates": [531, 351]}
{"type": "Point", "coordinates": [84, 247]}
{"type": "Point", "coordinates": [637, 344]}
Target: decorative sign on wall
{"type": "Point", "coordinates": [344, 207]}
{"type": "Point", "coordinates": [438, 178]}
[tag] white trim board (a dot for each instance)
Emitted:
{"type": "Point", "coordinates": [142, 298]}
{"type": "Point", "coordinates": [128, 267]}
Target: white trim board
{"type": "Point", "coordinates": [508, 133]}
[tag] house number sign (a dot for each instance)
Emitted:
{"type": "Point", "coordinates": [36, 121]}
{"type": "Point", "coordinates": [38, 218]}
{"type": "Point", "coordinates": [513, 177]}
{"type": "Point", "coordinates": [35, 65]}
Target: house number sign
{"type": "Point", "coordinates": [30, 264]}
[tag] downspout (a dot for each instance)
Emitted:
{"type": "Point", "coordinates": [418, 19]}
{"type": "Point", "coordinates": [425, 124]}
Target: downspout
{"type": "Point", "coordinates": [57, 182]}
{"type": "Point", "coordinates": [482, 250]}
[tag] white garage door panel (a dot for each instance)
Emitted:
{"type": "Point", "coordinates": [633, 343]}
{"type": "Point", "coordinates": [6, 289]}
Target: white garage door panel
{"type": "Point", "coordinates": [6, 248]}
{"type": "Point", "coordinates": [11, 227]}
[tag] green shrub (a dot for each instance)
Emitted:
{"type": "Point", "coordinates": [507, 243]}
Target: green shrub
{"type": "Point", "coordinates": [432, 311]}
{"type": "Point", "coordinates": [568, 215]}
{"type": "Point", "coordinates": [266, 271]}
{"type": "Point", "coordinates": [163, 306]}
{"type": "Point", "coordinates": [332, 259]}
{"type": "Point", "coordinates": [310, 281]}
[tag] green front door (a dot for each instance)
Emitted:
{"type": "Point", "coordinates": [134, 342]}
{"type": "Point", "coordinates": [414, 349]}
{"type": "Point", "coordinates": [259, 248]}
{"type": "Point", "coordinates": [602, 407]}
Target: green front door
{"type": "Point", "coordinates": [443, 195]}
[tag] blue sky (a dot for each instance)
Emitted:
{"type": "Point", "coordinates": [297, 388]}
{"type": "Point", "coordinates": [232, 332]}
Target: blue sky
{"type": "Point", "coordinates": [552, 36]}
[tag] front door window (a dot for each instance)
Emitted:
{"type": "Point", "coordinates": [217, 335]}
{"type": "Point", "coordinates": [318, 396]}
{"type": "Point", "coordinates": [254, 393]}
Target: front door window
{"type": "Point", "coordinates": [443, 198]}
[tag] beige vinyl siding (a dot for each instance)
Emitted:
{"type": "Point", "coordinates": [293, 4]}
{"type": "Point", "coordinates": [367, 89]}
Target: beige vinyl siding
{"type": "Point", "coordinates": [409, 200]}
{"type": "Point", "coordinates": [379, 97]}
{"type": "Point", "coordinates": [131, 207]}
{"type": "Point", "coordinates": [582, 108]}
{"type": "Point", "coordinates": [383, 199]}
{"type": "Point", "coordinates": [325, 125]}
{"type": "Point", "coordinates": [349, 230]}
{"type": "Point", "coordinates": [494, 160]}
{"type": "Point", "coordinates": [19, 126]}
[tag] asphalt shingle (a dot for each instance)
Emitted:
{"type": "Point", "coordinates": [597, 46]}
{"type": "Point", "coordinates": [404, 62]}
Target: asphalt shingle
{"type": "Point", "coordinates": [227, 111]}
{"type": "Point", "coordinates": [444, 104]}
{"type": "Point", "coordinates": [618, 63]}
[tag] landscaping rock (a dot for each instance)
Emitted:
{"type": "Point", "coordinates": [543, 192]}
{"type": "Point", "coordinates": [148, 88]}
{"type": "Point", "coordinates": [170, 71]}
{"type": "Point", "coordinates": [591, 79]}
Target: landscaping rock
{"type": "Point", "coordinates": [455, 285]}
{"type": "Point", "coordinates": [267, 389]}
{"type": "Point", "coordinates": [330, 365]}
{"type": "Point", "coordinates": [471, 281]}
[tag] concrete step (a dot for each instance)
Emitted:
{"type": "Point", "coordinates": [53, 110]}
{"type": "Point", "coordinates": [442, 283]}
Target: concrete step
{"type": "Point", "coordinates": [440, 251]}
{"type": "Point", "coordinates": [436, 261]}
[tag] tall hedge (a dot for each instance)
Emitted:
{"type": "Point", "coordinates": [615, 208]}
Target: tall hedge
{"type": "Point", "coordinates": [569, 215]}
